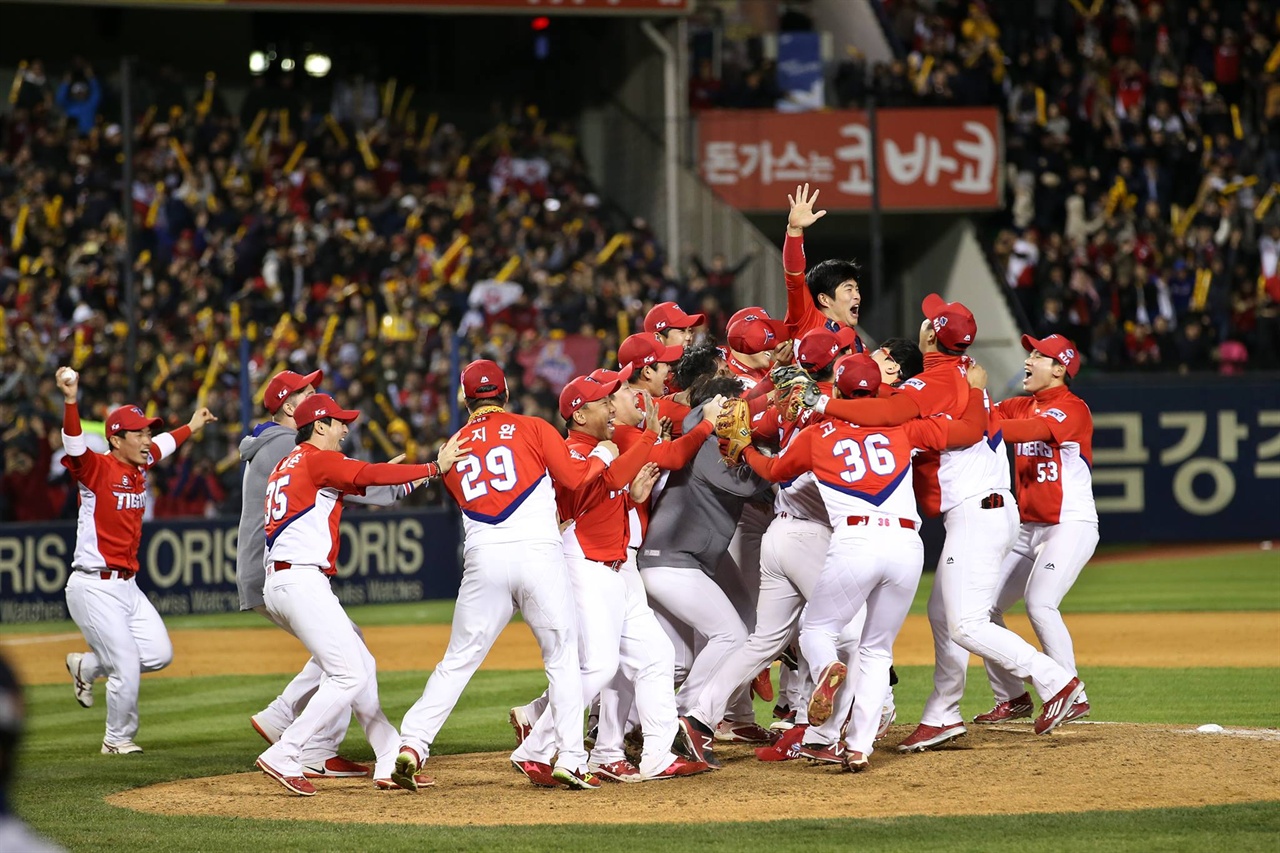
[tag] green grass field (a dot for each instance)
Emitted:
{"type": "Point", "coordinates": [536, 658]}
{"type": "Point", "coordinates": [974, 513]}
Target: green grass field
{"type": "Point", "coordinates": [197, 727]}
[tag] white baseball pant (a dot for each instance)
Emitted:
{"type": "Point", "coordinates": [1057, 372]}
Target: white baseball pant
{"type": "Point", "coordinates": [964, 591]}
{"type": "Point", "coordinates": [1042, 567]}
{"type": "Point", "coordinates": [617, 633]}
{"type": "Point", "coordinates": [126, 638]}
{"type": "Point", "coordinates": [497, 579]}
{"type": "Point", "coordinates": [301, 600]}
{"type": "Point", "coordinates": [876, 566]}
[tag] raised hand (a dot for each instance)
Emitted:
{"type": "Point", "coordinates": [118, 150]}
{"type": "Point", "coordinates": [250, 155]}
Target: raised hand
{"type": "Point", "coordinates": [642, 485]}
{"type": "Point", "coordinates": [652, 422]}
{"type": "Point", "coordinates": [802, 213]}
{"type": "Point", "coordinates": [201, 417]}
{"type": "Point", "coordinates": [68, 383]}
{"type": "Point", "coordinates": [454, 449]}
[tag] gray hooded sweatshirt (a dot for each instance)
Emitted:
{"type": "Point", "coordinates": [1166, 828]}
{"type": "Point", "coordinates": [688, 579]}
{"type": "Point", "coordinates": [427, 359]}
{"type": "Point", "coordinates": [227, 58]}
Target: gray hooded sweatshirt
{"type": "Point", "coordinates": [261, 451]}
{"type": "Point", "coordinates": [698, 509]}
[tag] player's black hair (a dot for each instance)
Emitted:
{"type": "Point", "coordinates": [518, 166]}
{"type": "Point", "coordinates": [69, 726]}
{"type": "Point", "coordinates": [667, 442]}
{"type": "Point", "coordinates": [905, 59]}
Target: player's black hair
{"type": "Point", "coordinates": [907, 354]}
{"type": "Point", "coordinates": [709, 386]}
{"type": "Point", "coordinates": [828, 275]}
{"type": "Point", "coordinates": [698, 360]}
{"type": "Point", "coordinates": [307, 430]}
{"type": "Point", "coordinates": [474, 403]}
{"type": "Point", "coordinates": [826, 374]}
{"type": "Point", "coordinates": [946, 351]}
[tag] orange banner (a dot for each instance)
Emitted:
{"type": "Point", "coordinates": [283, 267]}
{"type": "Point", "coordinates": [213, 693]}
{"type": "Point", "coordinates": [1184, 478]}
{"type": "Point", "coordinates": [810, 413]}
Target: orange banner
{"type": "Point", "coordinates": [929, 159]}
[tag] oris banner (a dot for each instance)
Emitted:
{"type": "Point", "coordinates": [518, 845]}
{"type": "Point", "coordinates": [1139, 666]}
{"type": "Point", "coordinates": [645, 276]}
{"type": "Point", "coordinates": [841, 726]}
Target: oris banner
{"type": "Point", "coordinates": [190, 566]}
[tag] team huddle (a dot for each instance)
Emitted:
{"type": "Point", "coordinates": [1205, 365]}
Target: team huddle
{"type": "Point", "coordinates": [713, 509]}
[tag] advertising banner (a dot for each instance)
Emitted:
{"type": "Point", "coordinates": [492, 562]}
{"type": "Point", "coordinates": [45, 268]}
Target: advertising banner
{"type": "Point", "coordinates": [928, 159]}
{"type": "Point", "coordinates": [190, 566]}
{"type": "Point", "coordinates": [800, 72]}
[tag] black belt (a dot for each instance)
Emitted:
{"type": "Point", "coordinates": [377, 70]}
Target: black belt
{"type": "Point", "coordinates": [993, 501]}
{"type": "Point", "coordinates": [855, 520]}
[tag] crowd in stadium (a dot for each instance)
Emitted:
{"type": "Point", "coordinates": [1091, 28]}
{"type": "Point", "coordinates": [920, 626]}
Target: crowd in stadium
{"type": "Point", "coordinates": [366, 238]}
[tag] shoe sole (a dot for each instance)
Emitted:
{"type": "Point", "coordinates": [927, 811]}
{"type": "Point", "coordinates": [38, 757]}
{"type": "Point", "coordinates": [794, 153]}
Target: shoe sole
{"type": "Point", "coordinates": [406, 768]}
{"type": "Point", "coordinates": [823, 701]}
{"type": "Point", "coordinates": [859, 767]}
{"type": "Point", "coordinates": [573, 782]}
{"type": "Point", "coordinates": [261, 732]}
{"type": "Point", "coordinates": [819, 759]}
{"type": "Point", "coordinates": [932, 744]}
{"type": "Point", "coordinates": [267, 769]}
{"type": "Point", "coordinates": [1071, 700]}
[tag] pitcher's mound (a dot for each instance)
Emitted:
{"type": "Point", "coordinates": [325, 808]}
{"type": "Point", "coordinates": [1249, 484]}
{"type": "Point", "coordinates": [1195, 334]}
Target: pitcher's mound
{"type": "Point", "coordinates": [994, 770]}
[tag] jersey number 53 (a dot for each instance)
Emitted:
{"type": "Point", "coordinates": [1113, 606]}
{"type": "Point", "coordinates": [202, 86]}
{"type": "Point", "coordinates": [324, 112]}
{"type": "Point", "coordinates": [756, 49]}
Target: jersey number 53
{"type": "Point", "coordinates": [496, 470]}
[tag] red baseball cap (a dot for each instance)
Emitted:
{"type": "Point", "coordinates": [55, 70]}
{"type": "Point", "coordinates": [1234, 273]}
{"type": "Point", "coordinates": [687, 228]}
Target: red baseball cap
{"type": "Point", "coordinates": [668, 315]}
{"type": "Point", "coordinates": [319, 406]}
{"type": "Point", "coordinates": [130, 419]}
{"type": "Point", "coordinates": [818, 348]}
{"type": "Point", "coordinates": [584, 390]}
{"type": "Point", "coordinates": [483, 379]}
{"type": "Point", "coordinates": [753, 331]}
{"type": "Point", "coordinates": [287, 382]}
{"type": "Point", "coordinates": [619, 376]}
{"type": "Point", "coordinates": [1061, 349]}
{"type": "Point", "coordinates": [857, 372]}
{"type": "Point", "coordinates": [952, 322]}
{"type": "Point", "coordinates": [644, 349]}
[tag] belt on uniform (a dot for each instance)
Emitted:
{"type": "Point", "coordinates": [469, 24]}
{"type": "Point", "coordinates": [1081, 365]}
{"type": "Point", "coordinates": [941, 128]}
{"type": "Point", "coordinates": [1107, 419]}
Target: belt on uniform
{"type": "Point", "coordinates": [855, 520]}
{"type": "Point", "coordinates": [116, 574]}
{"type": "Point", "coordinates": [792, 516]}
{"type": "Point", "coordinates": [994, 500]}
{"type": "Point", "coordinates": [612, 565]}
{"type": "Point", "coordinates": [280, 565]}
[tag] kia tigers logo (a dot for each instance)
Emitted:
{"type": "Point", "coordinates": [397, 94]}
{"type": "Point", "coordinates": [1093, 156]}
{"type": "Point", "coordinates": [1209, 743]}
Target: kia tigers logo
{"type": "Point", "coordinates": [662, 324]}
{"type": "Point", "coordinates": [938, 323]}
{"type": "Point", "coordinates": [284, 392]}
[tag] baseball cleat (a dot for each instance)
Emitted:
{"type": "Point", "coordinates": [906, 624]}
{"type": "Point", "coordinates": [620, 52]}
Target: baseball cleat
{"type": "Point", "coordinates": [730, 732]}
{"type": "Point", "coordinates": [785, 719]}
{"type": "Point", "coordinates": [698, 743]}
{"type": "Point", "coordinates": [334, 767]}
{"type": "Point", "coordinates": [762, 684]}
{"type": "Point", "coordinates": [679, 767]}
{"type": "Point", "coordinates": [408, 763]}
{"type": "Point", "coordinates": [1078, 710]}
{"type": "Point", "coordinates": [824, 753]}
{"type": "Point", "coordinates": [823, 700]}
{"type": "Point", "coordinates": [887, 716]}
{"type": "Point", "coordinates": [83, 689]}
{"type": "Point", "coordinates": [854, 762]}
{"type": "Point", "coordinates": [617, 771]}
{"type": "Point", "coordinates": [1014, 709]}
{"type": "Point", "coordinates": [519, 724]}
{"type": "Point", "coordinates": [1057, 708]}
{"type": "Point", "coordinates": [297, 784]}
{"type": "Point", "coordinates": [420, 780]}
{"type": "Point", "coordinates": [590, 738]}
{"type": "Point", "coordinates": [576, 780]}
{"type": "Point", "coordinates": [538, 773]}
{"type": "Point", "coordinates": [268, 732]}
{"type": "Point", "coordinates": [124, 747]}
{"type": "Point", "coordinates": [928, 737]}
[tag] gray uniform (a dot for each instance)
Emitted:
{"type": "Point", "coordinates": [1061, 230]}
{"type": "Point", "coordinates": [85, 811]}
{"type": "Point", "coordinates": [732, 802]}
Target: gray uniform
{"type": "Point", "coordinates": [262, 451]}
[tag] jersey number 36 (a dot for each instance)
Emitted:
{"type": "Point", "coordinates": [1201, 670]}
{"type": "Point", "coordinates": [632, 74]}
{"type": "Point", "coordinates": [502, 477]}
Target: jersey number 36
{"type": "Point", "coordinates": [873, 451]}
{"type": "Point", "coordinates": [498, 470]}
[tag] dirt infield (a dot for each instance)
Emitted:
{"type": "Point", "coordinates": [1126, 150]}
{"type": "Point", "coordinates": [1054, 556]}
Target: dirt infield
{"type": "Point", "coordinates": [1102, 639]}
{"type": "Point", "coordinates": [1083, 766]}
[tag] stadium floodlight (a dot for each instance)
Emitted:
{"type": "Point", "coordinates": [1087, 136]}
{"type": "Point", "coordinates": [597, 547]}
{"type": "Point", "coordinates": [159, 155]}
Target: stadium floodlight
{"type": "Point", "coordinates": [287, 64]}
{"type": "Point", "coordinates": [257, 62]}
{"type": "Point", "coordinates": [317, 64]}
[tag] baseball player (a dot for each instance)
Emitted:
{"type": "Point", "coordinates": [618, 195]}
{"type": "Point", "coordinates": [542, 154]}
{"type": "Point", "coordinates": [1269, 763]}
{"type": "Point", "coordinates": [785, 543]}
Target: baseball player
{"type": "Point", "coordinates": [875, 556]}
{"type": "Point", "coordinates": [1052, 436]}
{"type": "Point", "coordinates": [617, 632]}
{"type": "Point", "coordinates": [970, 488]}
{"type": "Point", "coordinates": [513, 557]}
{"type": "Point", "coordinates": [261, 451]}
{"type": "Point", "coordinates": [671, 324]}
{"type": "Point", "coordinates": [827, 296]}
{"type": "Point", "coordinates": [126, 635]}
{"type": "Point", "coordinates": [651, 362]}
{"type": "Point", "coordinates": [303, 509]}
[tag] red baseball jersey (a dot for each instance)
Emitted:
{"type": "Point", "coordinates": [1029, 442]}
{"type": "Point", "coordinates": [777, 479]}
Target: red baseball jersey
{"type": "Point", "coordinates": [860, 470]}
{"type": "Point", "coordinates": [303, 506]}
{"type": "Point", "coordinates": [504, 483]}
{"type": "Point", "coordinates": [669, 407]}
{"type": "Point", "coordinates": [802, 315]}
{"type": "Point", "coordinates": [601, 526]}
{"type": "Point", "coordinates": [113, 500]}
{"type": "Point", "coordinates": [750, 377]}
{"type": "Point", "coordinates": [800, 497]}
{"type": "Point", "coordinates": [1055, 480]}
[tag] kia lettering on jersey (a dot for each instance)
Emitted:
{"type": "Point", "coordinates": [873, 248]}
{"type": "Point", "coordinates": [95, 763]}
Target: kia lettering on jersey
{"type": "Point", "coordinates": [130, 500]}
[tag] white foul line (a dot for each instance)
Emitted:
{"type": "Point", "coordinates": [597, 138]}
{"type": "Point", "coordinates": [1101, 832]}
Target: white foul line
{"type": "Point", "coordinates": [43, 638]}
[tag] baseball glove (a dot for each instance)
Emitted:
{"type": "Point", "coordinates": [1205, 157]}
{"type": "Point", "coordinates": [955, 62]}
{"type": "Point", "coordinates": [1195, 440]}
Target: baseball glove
{"type": "Point", "coordinates": [734, 430]}
{"type": "Point", "coordinates": [786, 375]}
{"type": "Point", "coordinates": [802, 395]}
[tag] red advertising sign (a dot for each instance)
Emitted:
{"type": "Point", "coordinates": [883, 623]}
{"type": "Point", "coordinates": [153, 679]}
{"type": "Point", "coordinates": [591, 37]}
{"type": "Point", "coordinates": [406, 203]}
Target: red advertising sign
{"type": "Point", "coordinates": [652, 7]}
{"type": "Point", "coordinates": [929, 159]}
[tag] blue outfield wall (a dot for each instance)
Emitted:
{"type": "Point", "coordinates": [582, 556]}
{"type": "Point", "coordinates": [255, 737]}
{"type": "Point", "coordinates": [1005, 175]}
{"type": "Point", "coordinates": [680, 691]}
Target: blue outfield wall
{"type": "Point", "coordinates": [1175, 459]}
{"type": "Point", "coordinates": [189, 566]}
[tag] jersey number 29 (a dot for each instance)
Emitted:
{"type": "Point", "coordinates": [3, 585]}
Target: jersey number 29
{"type": "Point", "coordinates": [873, 451]}
{"type": "Point", "coordinates": [499, 468]}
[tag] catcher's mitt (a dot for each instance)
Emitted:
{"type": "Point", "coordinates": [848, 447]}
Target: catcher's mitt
{"type": "Point", "coordinates": [734, 429]}
{"type": "Point", "coordinates": [803, 395]}
{"type": "Point", "coordinates": [786, 375]}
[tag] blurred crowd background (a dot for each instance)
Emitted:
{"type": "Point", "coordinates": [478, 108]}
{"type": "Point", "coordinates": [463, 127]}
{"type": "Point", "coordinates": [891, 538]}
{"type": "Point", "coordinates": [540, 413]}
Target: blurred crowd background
{"type": "Point", "coordinates": [359, 235]}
